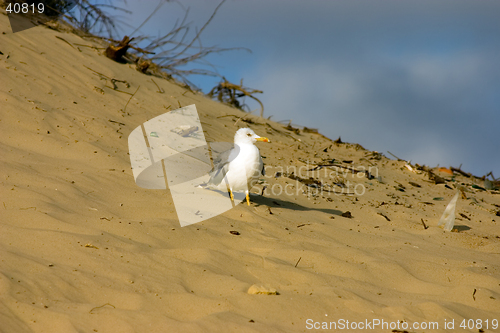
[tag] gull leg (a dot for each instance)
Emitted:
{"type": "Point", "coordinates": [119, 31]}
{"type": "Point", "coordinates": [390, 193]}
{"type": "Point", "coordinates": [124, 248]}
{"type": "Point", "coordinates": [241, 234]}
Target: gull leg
{"type": "Point", "coordinates": [248, 198]}
{"type": "Point", "coordinates": [231, 195]}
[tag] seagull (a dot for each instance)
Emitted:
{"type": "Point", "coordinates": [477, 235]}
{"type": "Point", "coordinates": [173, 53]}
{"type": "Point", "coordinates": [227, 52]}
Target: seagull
{"type": "Point", "coordinates": [239, 168]}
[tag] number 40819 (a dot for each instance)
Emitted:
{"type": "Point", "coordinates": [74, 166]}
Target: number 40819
{"type": "Point", "coordinates": [479, 324]}
{"type": "Point", "coordinates": [24, 8]}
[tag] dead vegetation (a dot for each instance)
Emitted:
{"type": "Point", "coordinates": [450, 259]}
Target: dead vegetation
{"type": "Point", "coordinates": [176, 55]}
{"type": "Point", "coordinates": [230, 93]}
{"type": "Point", "coordinates": [91, 19]}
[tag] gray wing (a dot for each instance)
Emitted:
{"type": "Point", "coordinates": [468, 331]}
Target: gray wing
{"type": "Point", "coordinates": [221, 165]}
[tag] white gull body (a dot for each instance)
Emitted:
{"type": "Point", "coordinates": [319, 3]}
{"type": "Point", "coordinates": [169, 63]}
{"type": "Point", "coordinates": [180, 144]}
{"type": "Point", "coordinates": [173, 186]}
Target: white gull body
{"type": "Point", "coordinates": [239, 168]}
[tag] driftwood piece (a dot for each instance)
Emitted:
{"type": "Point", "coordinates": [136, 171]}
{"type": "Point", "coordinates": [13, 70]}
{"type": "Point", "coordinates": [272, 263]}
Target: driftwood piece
{"type": "Point", "coordinates": [117, 52]}
{"type": "Point", "coordinates": [399, 159]}
{"type": "Point", "coordinates": [289, 127]}
{"type": "Point", "coordinates": [465, 174]}
{"type": "Point", "coordinates": [310, 130]}
{"type": "Point", "coordinates": [491, 174]}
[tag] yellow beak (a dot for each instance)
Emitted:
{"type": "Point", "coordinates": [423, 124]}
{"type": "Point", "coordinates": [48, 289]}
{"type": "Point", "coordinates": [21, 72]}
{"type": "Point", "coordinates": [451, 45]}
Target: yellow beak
{"type": "Point", "coordinates": [263, 139]}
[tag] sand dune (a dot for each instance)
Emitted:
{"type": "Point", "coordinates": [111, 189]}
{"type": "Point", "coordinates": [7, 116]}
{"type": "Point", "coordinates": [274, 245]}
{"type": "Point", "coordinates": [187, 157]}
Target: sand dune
{"type": "Point", "coordinates": [84, 249]}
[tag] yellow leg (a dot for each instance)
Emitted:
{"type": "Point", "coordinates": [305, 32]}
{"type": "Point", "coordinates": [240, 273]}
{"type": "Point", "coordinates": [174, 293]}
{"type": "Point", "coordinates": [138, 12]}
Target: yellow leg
{"type": "Point", "coordinates": [248, 199]}
{"type": "Point", "coordinates": [231, 194]}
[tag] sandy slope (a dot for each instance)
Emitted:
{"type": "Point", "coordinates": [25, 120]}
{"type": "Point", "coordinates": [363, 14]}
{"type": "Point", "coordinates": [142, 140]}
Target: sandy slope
{"type": "Point", "coordinates": [83, 249]}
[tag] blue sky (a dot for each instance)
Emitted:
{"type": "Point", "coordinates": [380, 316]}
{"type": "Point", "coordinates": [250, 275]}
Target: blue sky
{"type": "Point", "coordinates": [418, 78]}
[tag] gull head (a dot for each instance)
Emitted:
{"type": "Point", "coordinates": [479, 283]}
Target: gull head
{"type": "Point", "coordinates": [247, 136]}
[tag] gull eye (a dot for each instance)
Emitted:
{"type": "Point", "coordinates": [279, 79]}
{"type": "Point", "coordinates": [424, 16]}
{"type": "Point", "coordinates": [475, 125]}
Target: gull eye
{"type": "Point", "coordinates": [249, 134]}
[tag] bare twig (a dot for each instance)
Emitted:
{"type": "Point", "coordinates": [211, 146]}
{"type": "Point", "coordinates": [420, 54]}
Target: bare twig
{"type": "Point", "coordinates": [122, 81]}
{"type": "Point", "coordinates": [64, 40]}
{"type": "Point", "coordinates": [124, 92]}
{"type": "Point", "coordinates": [98, 307]}
{"type": "Point", "coordinates": [160, 90]}
{"type": "Point", "coordinates": [241, 118]}
{"type": "Point", "coordinates": [459, 170]}
{"type": "Point", "coordinates": [161, 3]}
{"type": "Point", "coordinates": [92, 18]}
{"type": "Point", "coordinates": [113, 80]}
{"type": "Point", "coordinates": [396, 157]}
{"type": "Point", "coordinates": [130, 98]}
{"type": "Point", "coordinates": [298, 262]}
{"type": "Point", "coordinates": [91, 46]}
{"type": "Point", "coordinates": [320, 166]}
{"type": "Point", "coordinates": [201, 30]}
{"type": "Point", "coordinates": [465, 216]}
{"type": "Point", "coordinates": [116, 122]}
{"type": "Point", "coordinates": [175, 51]}
{"type": "Point", "coordinates": [383, 215]}
{"type": "Point", "coordinates": [364, 159]}
{"type": "Point", "coordinates": [286, 134]}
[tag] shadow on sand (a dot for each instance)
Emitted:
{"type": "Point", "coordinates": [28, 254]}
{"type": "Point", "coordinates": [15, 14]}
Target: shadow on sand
{"type": "Point", "coordinates": [275, 202]}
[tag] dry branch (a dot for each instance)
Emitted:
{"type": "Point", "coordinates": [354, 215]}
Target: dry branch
{"type": "Point", "coordinates": [131, 98]}
{"type": "Point", "coordinates": [160, 90]}
{"type": "Point", "coordinates": [229, 93]}
{"type": "Point", "coordinates": [113, 80]}
{"type": "Point", "coordinates": [174, 52]}
{"type": "Point", "coordinates": [399, 159]}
